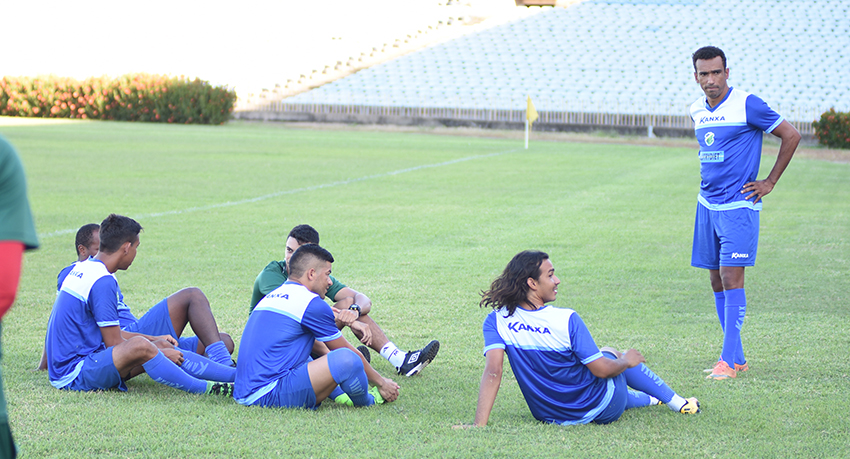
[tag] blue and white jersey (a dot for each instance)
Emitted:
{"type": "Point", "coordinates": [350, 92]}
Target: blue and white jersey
{"type": "Point", "coordinates": [86, 302]}
{"type": "Point", "coordinates": [278, 338]}
{"type": "Point", "coordinates": [548, 350]}
{"type": "Point", "coordinates": [125, 317]}
{"type": "Point", "coordinates": [730, 140]}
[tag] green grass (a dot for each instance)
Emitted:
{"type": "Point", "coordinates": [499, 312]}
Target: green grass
{"type": "Point", "coordinates": [421, 223]}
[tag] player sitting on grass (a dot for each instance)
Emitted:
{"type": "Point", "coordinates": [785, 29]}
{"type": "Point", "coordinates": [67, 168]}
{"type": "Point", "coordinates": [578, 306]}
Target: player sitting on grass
{"type": "Point", "coordinates": [275, 274]}
{"type": "Point", "coordinates": [86, 349]}
{"type": "Point", "coordinates": [564, 377]}
{"type": "Point", "coordinates": [168, 317]}
{"type": "Point", "coordinates": [275, 368]}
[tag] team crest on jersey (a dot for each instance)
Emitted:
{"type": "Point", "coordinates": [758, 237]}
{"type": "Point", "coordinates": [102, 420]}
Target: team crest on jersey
{"type": "Point", "coordinates": [709, 138]}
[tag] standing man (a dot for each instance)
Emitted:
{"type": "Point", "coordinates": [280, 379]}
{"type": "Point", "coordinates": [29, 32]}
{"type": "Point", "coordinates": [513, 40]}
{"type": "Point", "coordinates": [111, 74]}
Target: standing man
{"type": "Point", "coordinates": [275, 368]}
{"type": "Point", "coordinates": [345, 298]}
{"type": "Point", "coordinates": [17, 233]}
{"type": "Point", "coordinates": [729, 125]}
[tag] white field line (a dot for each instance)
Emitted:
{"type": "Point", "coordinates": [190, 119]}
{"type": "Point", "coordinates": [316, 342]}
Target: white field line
{"type": "Point", "coordinates": [292, 191]}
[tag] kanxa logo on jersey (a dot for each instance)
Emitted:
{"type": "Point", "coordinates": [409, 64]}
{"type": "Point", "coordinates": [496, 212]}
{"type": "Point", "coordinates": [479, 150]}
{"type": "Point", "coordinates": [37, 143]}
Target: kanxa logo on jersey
{"type": "Point", "coordinates": [740, 255]}
{"type": "Point", "coordinates": [711, 119]}
{"type": "Point", "coordinates": [517, 327]}
{"type": "Point", "coordinates": [77, 274]}
{"type": "Point", "coordinates": [284, 296]}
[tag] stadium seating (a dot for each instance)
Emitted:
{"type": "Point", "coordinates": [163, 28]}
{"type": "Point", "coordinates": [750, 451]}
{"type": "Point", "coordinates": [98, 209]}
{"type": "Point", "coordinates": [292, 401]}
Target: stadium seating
{"type": "Point", "coordinates": [627, 56]}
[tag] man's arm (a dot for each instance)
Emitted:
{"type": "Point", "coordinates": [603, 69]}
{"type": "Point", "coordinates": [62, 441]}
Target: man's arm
{"type": "Point", "coordinates": [608, 368]}
{"type": "Point", "coordinates": [790, 138]}
{"type": "Point", "coordinates": [349, 294]}
{"type": "Point", "coordinates": [387, 387]}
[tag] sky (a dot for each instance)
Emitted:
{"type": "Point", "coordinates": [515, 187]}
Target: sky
{"type": "Point", "coordinates": [247, 45]}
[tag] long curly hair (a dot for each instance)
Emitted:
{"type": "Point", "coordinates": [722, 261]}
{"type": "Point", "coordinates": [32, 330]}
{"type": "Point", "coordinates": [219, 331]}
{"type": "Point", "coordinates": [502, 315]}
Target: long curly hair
{"type": "Point", "coordinates": [511, 287]}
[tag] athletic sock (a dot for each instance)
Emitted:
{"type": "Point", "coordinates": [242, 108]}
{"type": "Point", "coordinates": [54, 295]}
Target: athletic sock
{"type": "Point", "coordinates": [720, 305]}
{"type": "Point", "coordinates": [217, 351]}
{"type": "Point", "coordinates": [347, 371]}
{"type": "Point", "coordinates": [164, 371]}
{"type": "Point", "coordinates": [736, 308]}
{"type": "Point", "coordinates": [393, 354]}
{"type": "Point", "coordinates": [676, 403]}
{"type": "Point", "coordinates": [638, 399]}
{"type": "Point", "coordinates": [643, 379]}
{"type": "Point", "coordinates": [204, 368]}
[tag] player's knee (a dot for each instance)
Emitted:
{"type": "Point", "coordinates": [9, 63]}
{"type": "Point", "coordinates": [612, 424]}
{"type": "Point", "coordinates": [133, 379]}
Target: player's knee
{"type": "Point", "coordinates": [228, 342]}
{"type": "Point", "coordinates": [344, 363]}
{"type": "Point", "coordinates": [141, 348]}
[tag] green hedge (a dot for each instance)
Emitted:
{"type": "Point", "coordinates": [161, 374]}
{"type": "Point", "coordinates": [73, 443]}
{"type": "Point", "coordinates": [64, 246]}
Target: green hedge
{"type": "Point", "coordinates": [833, 129]}
{"type": "Point", "coordinates": [136, 97]}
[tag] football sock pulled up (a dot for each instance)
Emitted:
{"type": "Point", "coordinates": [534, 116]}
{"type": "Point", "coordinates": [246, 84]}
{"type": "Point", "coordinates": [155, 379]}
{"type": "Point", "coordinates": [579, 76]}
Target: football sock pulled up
{"type": "Point", "coordinates": [217, 351]}
{"type": "Point", "coordinates": [347, 371]}
{"type": "Point", "coordinates": [204, 368]}
{"type": "Point", "coordinates": [164, 371]}
{"type": "Point", "coordinates": [393, 354]}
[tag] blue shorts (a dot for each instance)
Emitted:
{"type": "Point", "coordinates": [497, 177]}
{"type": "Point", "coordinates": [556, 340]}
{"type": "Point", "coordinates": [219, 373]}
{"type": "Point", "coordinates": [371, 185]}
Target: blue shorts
{"type": "Point", "coordinates": [155, 322]}
{"type": "Point", "coordinates": [98, 372]}
{"type": "Point", "coordinates": [617, 405]}
{"type": "Point", "coordinates": [725, 238]}
{"type": "Point", "coordinates": [292, 391]}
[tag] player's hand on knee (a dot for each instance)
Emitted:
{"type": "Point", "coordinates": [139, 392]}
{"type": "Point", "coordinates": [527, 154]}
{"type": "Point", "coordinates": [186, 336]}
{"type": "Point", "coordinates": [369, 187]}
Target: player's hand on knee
{"type": "Point", "coordinates": [634, 358]}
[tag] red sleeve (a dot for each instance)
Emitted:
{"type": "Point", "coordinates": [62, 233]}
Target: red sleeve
{"type": "Point", "coordinates": [11, 254]}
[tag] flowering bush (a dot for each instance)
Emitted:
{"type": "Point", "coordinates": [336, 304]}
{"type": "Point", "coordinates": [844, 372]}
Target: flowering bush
{"type": "Point", "coordinates": [833, 129]}
{"type": "Point", "coordinates": [137, 97]}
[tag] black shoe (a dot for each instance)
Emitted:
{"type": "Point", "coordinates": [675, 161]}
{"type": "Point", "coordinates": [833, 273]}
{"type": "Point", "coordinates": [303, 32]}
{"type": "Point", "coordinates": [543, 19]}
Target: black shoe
{"type": "Point", "coordinates": [415, 361]}
{"type": "Point", "coordinates": [225, 389]}
{"type": "Point", "coordinates": [366, 354]}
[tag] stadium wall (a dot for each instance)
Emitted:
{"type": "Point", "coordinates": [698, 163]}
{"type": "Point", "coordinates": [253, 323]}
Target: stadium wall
{"type": "Point", "coordinates": [625, 124]}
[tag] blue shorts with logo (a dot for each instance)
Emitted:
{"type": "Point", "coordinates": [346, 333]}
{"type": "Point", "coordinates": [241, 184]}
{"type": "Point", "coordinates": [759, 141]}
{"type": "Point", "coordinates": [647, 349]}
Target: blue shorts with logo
{"type": "Point", "coordinates": [292, 391]}
{"type": "Point", "coordinates": [98, 372]}
{"type": "Point", "coordinates": [157, 322]}
{"type": "Point", "coordinates": [725, 238]}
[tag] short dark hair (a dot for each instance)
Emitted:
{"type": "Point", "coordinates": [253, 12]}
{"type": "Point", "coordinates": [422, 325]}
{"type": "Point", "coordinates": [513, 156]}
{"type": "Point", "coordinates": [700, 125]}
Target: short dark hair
{"type": "Point", "coordinates": [707, 53]}
{"type": "Point", "coordinates": [304, 234]}
{"type": "Point", "coordinates": [511, 287]}
{"type": "Point", "coordinates": [301, 260]}
{"type": "Point", "coordinates": [84, 236]}
{"type": "Point", "coordinates": [115, 230]}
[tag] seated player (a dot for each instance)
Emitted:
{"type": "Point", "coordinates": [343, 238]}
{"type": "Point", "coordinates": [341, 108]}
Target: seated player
{"type": "Point", "coordinates": [86, 349]}
{"type": "Point", "coordinates": [275, 274]}
{"type": "Point", "coordinates": [168, 317]}
{"type": "Point", "coordinates": [564, 377]}
{"type": "Point", "coordinates": [275, 368]}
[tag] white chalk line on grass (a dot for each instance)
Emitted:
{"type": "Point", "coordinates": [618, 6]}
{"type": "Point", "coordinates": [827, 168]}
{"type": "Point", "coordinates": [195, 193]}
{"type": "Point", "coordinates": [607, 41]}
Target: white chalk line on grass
{"type": "Point", "coordinates": [293, 191]}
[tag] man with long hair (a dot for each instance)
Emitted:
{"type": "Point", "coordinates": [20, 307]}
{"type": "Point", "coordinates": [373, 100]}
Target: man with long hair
{"type": "Point", "coordinates": [564, 377]}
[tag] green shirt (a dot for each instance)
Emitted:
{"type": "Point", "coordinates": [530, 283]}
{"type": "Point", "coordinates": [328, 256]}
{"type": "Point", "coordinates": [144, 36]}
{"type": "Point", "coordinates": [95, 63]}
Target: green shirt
{"type": "Point", "coordinates": [16, 222]}
{"type": "Point", "coordinates": [274, 275]}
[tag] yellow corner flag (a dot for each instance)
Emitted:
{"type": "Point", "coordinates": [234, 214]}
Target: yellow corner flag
{"type": "Point", "coordinates": [530, 112]}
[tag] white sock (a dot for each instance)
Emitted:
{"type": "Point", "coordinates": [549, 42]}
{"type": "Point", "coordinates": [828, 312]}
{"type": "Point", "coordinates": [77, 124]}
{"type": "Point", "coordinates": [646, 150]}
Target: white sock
{"type": "Point", "coordinates": [393, 354]}
{"type": "Point", "coordinates": [676, 403]}
{"type": "Point", "coordinates": [653, 401]}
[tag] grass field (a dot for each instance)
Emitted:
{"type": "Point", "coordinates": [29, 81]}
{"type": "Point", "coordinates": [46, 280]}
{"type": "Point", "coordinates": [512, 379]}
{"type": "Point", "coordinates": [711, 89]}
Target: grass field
{"type": "Point", "coordinates": [422, 223]}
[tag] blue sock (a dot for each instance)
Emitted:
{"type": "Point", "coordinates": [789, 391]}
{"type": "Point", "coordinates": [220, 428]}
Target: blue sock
{"type": "Point", "coordinates": [164, 371]}
{"type": "Point", "coordinates": [336, 392]}
{"type": "Point", "coordinates": [188, 344]}
{"type": "Point", "coordinates": [637, 399]}
{"type": "Point", "coordinates": [217, 352]}
{"type": "Point", "coordinates": [720, 305]}
{"type": "Point", "coordinates": [204, 368]}
{"type": "Point", "coordinates": [736, 308]}
{"type": "Point", "coordinates": [347, 371]}
{"type": "Point", "coordinates": [644, 380]}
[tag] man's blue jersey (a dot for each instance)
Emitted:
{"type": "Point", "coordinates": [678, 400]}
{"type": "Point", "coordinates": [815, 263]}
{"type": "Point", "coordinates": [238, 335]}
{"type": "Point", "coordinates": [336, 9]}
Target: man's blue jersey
{"type": "Point", "coordinates": [125, 317]}
{"type": "Point", "coordinates": [548, 350]}
{"type": "Point", "coordinates": [730, 141]}
{"type": "Point", "coordinates": [86, 301]}
{"type": "Point", "coordinates": [278, 338]}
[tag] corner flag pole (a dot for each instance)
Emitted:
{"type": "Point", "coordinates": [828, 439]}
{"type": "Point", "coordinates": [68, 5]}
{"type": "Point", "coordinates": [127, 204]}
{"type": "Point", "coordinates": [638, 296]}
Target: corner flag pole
{"type": "Point", "coordinates": [530, 118]}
